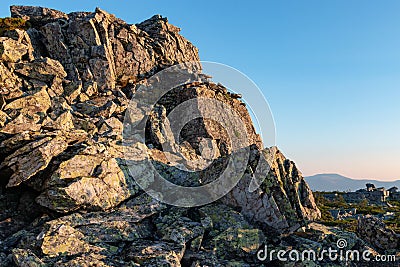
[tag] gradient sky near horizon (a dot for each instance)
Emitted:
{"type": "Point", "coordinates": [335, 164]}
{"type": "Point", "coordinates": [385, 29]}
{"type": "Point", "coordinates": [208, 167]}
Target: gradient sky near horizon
{"type": "Point", "coordinates": [330, 70]}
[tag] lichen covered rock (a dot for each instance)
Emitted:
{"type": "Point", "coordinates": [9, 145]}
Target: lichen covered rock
{"type": "Point", "coordinates": [68, 194]}
{"type": "Point", "coordinates": [375, 232]}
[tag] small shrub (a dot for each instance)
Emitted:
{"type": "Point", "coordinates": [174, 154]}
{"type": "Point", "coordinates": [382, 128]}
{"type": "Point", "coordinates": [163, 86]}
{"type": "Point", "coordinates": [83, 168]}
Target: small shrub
{"type": "Point", "coordinates": [9, 24]}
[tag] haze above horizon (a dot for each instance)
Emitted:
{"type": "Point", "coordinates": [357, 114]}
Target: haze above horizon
{"type": "Point", "coordinates": [329, 70]}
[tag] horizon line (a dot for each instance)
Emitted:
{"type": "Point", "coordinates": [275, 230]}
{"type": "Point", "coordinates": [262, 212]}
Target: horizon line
{"type": "Point", "coordinates": [360, 179]}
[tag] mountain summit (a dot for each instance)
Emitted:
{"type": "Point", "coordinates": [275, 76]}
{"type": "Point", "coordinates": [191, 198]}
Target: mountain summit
{"type": "Point", "coordinates": [69, 197]}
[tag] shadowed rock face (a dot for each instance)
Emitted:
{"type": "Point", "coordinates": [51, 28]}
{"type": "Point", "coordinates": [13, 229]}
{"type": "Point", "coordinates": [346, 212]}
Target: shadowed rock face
{"type": "Point", "coordinates": [65, 86]}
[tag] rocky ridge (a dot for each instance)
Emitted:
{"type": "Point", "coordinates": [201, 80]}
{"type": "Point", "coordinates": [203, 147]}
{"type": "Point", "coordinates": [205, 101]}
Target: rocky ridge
{"type": "Point", "coordinates": [68, 197]}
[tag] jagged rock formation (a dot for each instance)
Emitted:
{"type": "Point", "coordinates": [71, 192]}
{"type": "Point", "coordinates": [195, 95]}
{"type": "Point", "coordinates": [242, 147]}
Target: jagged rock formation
{"type": "Point", "coordinates": [68, 198]}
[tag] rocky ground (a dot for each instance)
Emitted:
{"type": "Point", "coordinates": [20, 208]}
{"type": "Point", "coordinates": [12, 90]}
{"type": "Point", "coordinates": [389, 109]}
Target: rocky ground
{"type": "Point", "coordinates": [67, 195]}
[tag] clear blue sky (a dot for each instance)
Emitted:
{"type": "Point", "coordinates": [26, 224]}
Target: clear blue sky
{"type": "Point", "coordinates": [329, 69]}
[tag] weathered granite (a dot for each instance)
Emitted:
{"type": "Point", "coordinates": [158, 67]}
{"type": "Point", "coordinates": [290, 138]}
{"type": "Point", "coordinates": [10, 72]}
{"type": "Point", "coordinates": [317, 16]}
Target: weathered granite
{"type": "Point", "coordinates": [70, 200]}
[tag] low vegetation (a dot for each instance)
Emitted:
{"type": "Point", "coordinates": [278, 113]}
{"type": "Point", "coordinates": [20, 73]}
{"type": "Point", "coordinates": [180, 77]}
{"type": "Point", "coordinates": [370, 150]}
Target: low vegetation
{"type": "Point", "coordinates": [9, 24]}
{"type": "Point", "coordinates": [363, 208]}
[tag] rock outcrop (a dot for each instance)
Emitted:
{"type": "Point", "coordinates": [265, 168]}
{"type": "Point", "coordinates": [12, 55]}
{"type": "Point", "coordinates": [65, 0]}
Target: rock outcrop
{"type": "Point", "coordinates": [375, 232]}
{"type": "Point", "coordinates": [67, 195]}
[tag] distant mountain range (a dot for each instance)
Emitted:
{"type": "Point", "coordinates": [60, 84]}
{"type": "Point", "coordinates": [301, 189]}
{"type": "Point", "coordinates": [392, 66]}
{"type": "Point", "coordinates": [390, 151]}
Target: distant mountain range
{"type": "Point", "coordinates": [336, 182]}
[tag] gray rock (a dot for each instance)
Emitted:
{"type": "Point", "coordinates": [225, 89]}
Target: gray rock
{"type": "Point", "coordinates": [65, 85]}
{"type": "Point", "coordinates": [35, 13]}
{"type": "Point", "coordinates": [375, 232]}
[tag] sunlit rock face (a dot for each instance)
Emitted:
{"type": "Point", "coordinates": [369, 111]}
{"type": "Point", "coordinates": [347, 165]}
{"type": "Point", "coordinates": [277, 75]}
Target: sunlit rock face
{"type": "Point", "coordinates": [68, 197]}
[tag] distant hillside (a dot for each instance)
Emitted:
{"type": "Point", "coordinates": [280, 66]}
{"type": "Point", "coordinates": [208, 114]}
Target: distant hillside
{"type": "Point", "coordinates": [336, 182]}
